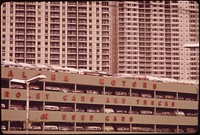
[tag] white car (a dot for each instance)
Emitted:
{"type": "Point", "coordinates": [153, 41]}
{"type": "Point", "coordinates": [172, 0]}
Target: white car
{"type": "Point", "coordinates": [3, 106]}
{"type": "Point", "coordinates": [109, 110]}
{"type": "Point", "coordinates": [17, 86]}
{"type": "Point", "coordinates": [16, 107]}
{"type": "Point", "coordinates": [92, 110]}
{"type": "Point", "coordinates": [123, 129]}
{"type": "Point", "coordinates": [9, 64]}
{"type": "Point", "coordinates": [55, 68]}
{"type": "Point", "coordinates": [34, 87]}
{"type": "Point", "coordinates": [109, 128]}
{"type": "Point", "coordinates": [36, 127]}
{"type": "Point", "coordinates": [92, 92]}
{"type": "Point", "coordinates": [39, 66]}
{"type": "Point", "coordinates": [51, 127]}
{"type": "Point", "coordinates": [26, 66]}
{"type": "Point", "coordinates": [51, 108]}
{"type": "Point", "coordinates": [93, 128]}
{"type": "Point", "coordinates": [120, 93]}
{"type": "Point", "coordinates": [65, 128]}
{"type": "Point", "coordinates": [72, 70]}
{"type": "Point", "coordinates": [3, 127]}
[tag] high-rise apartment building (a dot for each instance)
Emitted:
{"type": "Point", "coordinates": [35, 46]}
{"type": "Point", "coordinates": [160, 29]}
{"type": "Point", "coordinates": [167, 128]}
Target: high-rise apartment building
{"type": "Point", "coordinates": [151, 38]}
{"type": "Point", "coordinates": [136, 37]}
{"type": "Point", "coordinates": [73, 34]}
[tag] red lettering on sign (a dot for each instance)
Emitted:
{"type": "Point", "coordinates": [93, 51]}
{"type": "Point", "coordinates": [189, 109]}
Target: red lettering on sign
{"type": "Point", "coordinates": [73, 117]}
{"type": "Point", "coordinates": [37, 96]}
{"type": "Point", "coordinates": [131, 119]}
{"type": "Point", "coordinates": [10, 73]}
{"type": "Point", "coordinates": [82, 117]}
{"type": "Point", "coordinates": [134, 84]}
{"type": "Point", "coordinates": [107, 118]}
{"type": "Point", "coordinates": [152, 102]}
{"type": "Point", "coordinates": [82, 98]}
{"type": "Point", "coordinates": [115, 118]}
{"type": "Point", "coordinates": [107, 100]}
{"type": "Point", "coordinates": [138, 101]}
{"type": "Point", "coordinates": [122, 118]}
{"type": "Point", "coordinates": [7, 94]}
{"type": "Point", "coordinates": [91, 117]}
{"type": "Point", "coordinates": [159, 103]}
{"type": "Point", "coordinates": [101, 81]}
{"type": "Point", "coordinates": [123, 100]}
{"type": "Point", "coordinates": [44, 116]}
{"type": "Point", "coordinates": [92, 99]}
{"type": "Point", "coordinates": [145, 102]}
{"type": "Point", "coordinates": [166, 103]}
{"type": "Point", "coordinates": [66, 78]}
{"type": "Point", "coordinates": [144, 85]}
{"type": "Point", "coordinates": [115, 100]}
{"type": "Point", "coordinates": [124, 83]}
{"type": "Point", "coordinates": [173, 103]}
{"type": "Point", "coordinates": [53, 77]}
{"type": "Point", "coordinates": [73, 98]}
{"type": "Point", "coordinates": [23, 75]}
{"type": "Point", "coordinates": [65, 97]}
{"type": "Point", "coordinates": [47, 96]}
{"type": "Point", "coordinates": [154, 86]}
{"type": "Point", "coordinates": [64, 116]}
{"type": "Point", "coordinates": [113, 82]}
{"type": "Point", "coordinates": [18, 94]}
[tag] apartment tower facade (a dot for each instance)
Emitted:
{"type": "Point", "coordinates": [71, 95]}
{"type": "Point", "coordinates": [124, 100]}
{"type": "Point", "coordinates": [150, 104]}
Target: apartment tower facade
{"type": "Point", "coordinates": [136, 37]}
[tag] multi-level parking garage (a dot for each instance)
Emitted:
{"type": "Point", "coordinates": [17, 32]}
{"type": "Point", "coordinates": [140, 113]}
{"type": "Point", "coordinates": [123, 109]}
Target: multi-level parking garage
{"type": "Point", "coordinates": [77, 103]}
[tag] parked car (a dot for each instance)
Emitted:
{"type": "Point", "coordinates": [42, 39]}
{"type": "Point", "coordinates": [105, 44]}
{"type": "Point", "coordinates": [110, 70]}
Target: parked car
{"type": "Point", "coordinates": [34, 108]}
{"type": "Point", "coordinates": [147, 112]}
{"type": "Point", "coordinates": [66, 108]}
{"type": "Point", "coordinates": [26, 66]}
{"type": "Point", "coordinates": [93, 128]}
{"type": "Point", "coordinates": [179, 113]}
{"type": "Point", "coordinates": [16, 107]}
{"type": "Point", "coordinates": [109, 110]}
{"type": "Point", "coordinates": [80, 110]}
{"type": "Point", "coordinates": [36, 127]}
{"type": "Point", "coordinates": [72, 70]}
{"type": "Point", "coordinates": [109, 129]}
{"type": "Point", "coordinates": [181, 98]}
{"type": "Point", "coordinates": [135, 95]}
{"type": "Point", "coordinates": [3, 127]}
{"type": "Point", "coordinates": [55, 68]}
{"type": "Point", "coordinates": [166, 113]}
{"type": "Point", "coordinates": [80, 128]}
{"type": "Point", "coordinates": [169, 97]}
{"type": "Point", "coordinates": [17, 86]}
{"type": "Point", "coordinates": [34, 87]}
{"type": "Point", "coordinates": [93, 110]}
{"type": "Point", "coordinates": [39, 67]}
{"type": "Point", "coordinates": [65, 90]}
{"type": "Point", "coordinates": [146, 95]}
{"type": "Point", "coordinates": [133, 112]}
{"type": "Point", "coordinates": [10, 64]}
{"type": "Point", "coordinates": [52, 88]}
{"type": "Point", "coordinates": [51, 127]}
{"type": "Point", "coordinates": [120, 93]}
{"type": "Point", "coordinates": [147, 129]}
{"type": "Point", "coordinates": [123, 129]}
{"type": "Point", "coordinates": [65, 128]}
{"type": "Point", "coordinates": [121, 111]}
{"type": "Point", "coordinates": [160, 96]}
{"type": "Point", "coordinates": [108, 93]}
{"type": "Point", "coordinates": [92, 92]}
{"type": "Point", "coordinates": [15, 128]}
{"type": "Point", "coordinates": [51, 108]}
{"type": "Point", "coordinates": [3, 106]}
{"type": "Point", "coordinates": [136, 129]}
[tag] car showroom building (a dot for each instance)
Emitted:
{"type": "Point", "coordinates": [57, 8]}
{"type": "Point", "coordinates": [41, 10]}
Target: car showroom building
{"type": "Point", "coordinates": [66, 103]}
